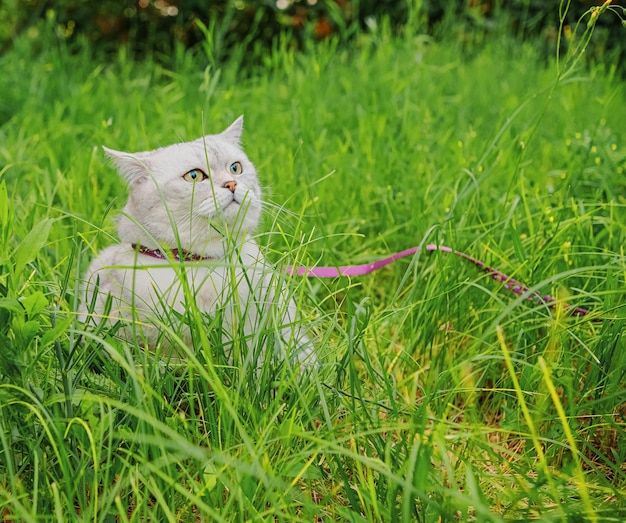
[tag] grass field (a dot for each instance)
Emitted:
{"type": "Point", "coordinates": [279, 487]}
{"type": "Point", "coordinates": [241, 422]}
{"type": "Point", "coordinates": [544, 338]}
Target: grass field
{"type": "Point", "coordinates": [442, 396]}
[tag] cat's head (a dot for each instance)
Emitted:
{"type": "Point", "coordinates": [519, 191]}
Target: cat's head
{"type": "Point", "coordinates": [190, 194]}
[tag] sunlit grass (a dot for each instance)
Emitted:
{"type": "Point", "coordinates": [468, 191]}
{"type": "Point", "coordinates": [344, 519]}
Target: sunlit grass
{"type": "Point", "coordinates": [441, 396]}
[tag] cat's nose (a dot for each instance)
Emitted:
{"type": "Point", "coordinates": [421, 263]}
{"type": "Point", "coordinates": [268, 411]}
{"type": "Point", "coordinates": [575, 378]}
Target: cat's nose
{"type": "Point", "coordinates": [231, 185]}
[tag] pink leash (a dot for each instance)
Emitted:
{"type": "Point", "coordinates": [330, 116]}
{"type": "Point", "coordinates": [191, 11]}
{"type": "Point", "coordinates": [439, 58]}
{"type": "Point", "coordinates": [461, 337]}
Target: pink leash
{"type": "Point", "coordinates": [509, 283]}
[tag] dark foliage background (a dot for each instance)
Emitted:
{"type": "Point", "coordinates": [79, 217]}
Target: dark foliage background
{"type": "Point", "coordinates": [159, 27]}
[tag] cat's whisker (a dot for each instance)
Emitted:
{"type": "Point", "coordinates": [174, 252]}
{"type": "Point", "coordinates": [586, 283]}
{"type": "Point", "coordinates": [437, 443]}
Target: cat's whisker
{"type": "Point", "coordinates": [205, 209]}
{"type": "Point", "coordinates": [279, 209]}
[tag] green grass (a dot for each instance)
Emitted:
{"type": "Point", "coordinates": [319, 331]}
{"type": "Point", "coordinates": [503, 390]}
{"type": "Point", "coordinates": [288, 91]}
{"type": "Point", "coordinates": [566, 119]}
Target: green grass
{"type": "Point", "coordinates": [442, 396]}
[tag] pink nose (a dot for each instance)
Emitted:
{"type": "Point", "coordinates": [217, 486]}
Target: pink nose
{"type": "Point", "coordinates": [231, 185]}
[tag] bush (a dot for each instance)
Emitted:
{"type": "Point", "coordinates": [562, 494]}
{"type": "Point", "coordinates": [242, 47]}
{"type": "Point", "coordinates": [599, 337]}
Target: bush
{"type": "Point", "coordinates": [159, 27]}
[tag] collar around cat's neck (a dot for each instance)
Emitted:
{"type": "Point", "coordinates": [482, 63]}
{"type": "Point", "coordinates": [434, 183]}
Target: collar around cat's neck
{"type": "Point", "coordinates": [177, 254]}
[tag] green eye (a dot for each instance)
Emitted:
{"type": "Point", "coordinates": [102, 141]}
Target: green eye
{"type": "Point", "coordinates": [195, 175]}
{"type": "Point", "coordinates": [236, 168]}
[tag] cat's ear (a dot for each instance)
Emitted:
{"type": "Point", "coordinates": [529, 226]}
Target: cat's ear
{"type": "Point", "coordinates": [133, 167]}
{"type": "Point", "coordinates": [234, 130]}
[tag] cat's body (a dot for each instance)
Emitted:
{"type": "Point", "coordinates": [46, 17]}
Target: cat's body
{"type": "Point", "coordinates": [185, 236]}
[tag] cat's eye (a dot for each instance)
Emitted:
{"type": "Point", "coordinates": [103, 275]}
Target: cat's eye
{"type": "Point", "coordinates": [236, 168]}
{"type": "Point", "coordinates": [195, 175]}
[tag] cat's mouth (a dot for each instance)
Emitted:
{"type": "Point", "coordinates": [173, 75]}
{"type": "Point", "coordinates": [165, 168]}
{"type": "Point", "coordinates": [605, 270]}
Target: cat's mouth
{"type": "Point", "coordinates": [231, 202]}
{"type": "Point", "coordinates": [231, 207]}
{"type": "Point", "coordinates": [238, 199]}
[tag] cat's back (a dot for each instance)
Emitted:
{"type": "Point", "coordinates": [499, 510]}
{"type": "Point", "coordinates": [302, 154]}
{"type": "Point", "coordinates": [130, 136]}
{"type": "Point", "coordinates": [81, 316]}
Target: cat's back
{"type": "Point", "coordinates": [117, 271]}
{"type": "Point", "coordinates": [132, 277]}
{"type": "Point", "coordinates": [121, 271]}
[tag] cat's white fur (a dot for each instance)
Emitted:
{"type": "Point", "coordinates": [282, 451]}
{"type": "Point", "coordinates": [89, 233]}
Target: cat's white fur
{"type": "Point", "coordinates": [164, 211]}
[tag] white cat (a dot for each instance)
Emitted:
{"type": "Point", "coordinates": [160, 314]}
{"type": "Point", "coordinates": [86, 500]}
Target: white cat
{"type": "Point", "coordinates": [185, 235]}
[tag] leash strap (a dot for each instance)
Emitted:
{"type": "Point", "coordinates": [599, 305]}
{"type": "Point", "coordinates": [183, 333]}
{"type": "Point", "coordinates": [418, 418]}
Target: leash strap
{"type": "Point", "coordinates": [508, 283]}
